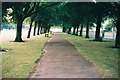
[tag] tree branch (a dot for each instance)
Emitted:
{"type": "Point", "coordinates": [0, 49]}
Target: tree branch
{"type": "Point", "coordinates": [42, 9]}
{"type": "Point", "coordinates": [30, 11]}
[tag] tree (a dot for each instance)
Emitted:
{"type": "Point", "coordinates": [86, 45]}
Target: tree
{"type": "Point", "coordinates": [87, 30]}
{"type": "Point", "coordinates": [20, 12]}
{"type": "Point", "coordinates": [81, 30]}
{"type": "Point", "coordinates": [23, 10]}
{"type": "Point", "coordinates": [117, 43]}
{"type": "Point", "coordinates": [82, 13]}
{"type": "Point", "coordinates": [101, 10]}
{"type": "Point", "coordinates": [32, 19]}
{"type": "Point", "coordinates": [34, 32]}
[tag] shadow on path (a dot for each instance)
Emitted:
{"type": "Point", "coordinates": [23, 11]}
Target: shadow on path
{"type": "Point", "coordinates": [61, 60]}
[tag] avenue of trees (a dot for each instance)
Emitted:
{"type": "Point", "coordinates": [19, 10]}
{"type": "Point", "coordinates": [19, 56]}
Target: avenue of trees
{"type": "Point", "coordinates": [76, 15]}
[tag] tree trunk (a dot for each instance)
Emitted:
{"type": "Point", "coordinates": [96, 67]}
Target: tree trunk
{"type": "Point", "coordinates": [77, 30]}
{"type": "Point", "coordinates": [35, 28]}
{"type": "Point", "coordinates": [64, 29]}
{"type": "Point", "coordinates": [45, 30]}
{"type": "Point", "coordinates": [81, 30]}
{"type": "Point", "coordinates": [74, 29]}
{"type": "Point", "coordinates": [117, 42]}
{"type": "Point", "coordinates": [87, 30]}
{"type": "Point", "coordinates": [97, 34]}
{"type": "Point", "coordinates": [19, 31]}
{"type": "Point", "coordinates": [41, 30]}
{"type": "Point", "coordinates": [49, 29]}
{"type": "Point", "coordinates": [30, 28]}
{"type": "Point", "coordinates": [103, 34]}
{"type": "Point", "coordinates": [38, 31]}
{"type": "Point", "coordinates": [69, 31]}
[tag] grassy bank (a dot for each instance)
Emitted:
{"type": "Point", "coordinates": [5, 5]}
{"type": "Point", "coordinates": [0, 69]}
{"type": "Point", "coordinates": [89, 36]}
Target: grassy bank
{"type": "Point", "coordinates": [99, 53]}
{"type": "Point", "coordinates": [19, 59]}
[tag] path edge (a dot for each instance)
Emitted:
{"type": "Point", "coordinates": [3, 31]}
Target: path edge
{"type": "Point", "coordinates": [88, 59]}
{"type": "Point", "coordinates": [39, 60]}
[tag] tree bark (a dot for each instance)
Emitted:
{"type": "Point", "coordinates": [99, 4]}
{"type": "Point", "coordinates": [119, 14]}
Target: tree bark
{"type": "Point", "coordinates": [45, 30]}
{"type": "Point", "coordinates": [87, 30]}
{"type": "Point", "coordinates": [117, 42]}
{"type": "Point", "coordinates": [35, 28]}
{"type": "Point", "coordinates": [69, 31]}
{"type": "Point", "coordinates": [30, 28]}
{"type": "Point", "coordinates": [74, 29]}
{"type": "Point", "coordinates": [97, 33]}
{"type": "Point", "coordinates": [81, 30]}
{"type": "Point", "coordinates": [41, 30]}
{"type": "Point", "coordinates": [64, 29]}
{"type": "Point", "coordinates": [38, 31]}
{"type": "Point", "coordinates": [77, 30]}
{"type": "Point", "coordinates": [19, 31]}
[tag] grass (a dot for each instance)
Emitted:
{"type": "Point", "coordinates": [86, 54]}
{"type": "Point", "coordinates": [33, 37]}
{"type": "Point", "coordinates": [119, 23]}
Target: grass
{"type": "Point", "coordinates": [104, 58]}
{"type": "Point", "coordinates": [20, 58]}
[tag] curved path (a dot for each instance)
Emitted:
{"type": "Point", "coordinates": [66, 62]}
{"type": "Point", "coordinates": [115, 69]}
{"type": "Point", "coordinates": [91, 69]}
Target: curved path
{"type": "Point", "coordinates": [61, 60]}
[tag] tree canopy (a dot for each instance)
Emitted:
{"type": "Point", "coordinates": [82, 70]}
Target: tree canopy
{"type": "Point", "coordinates": [66, 14]}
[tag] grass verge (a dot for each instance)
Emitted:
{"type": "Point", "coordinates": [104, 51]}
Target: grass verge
{"type": "Point", "coordinates": [20, 58]}
{"type": "Point", "coordinates": [104, 58]}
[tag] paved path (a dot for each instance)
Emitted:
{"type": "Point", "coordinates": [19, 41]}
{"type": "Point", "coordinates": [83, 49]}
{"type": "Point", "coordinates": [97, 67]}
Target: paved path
{"type": "Point", "coordinates": [61, 60]}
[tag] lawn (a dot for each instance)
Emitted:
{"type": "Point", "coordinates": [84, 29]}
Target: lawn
{"type": "Point", "coordinates": [99, 53]}
{"type": "Point", "coordinates": [20, 58]}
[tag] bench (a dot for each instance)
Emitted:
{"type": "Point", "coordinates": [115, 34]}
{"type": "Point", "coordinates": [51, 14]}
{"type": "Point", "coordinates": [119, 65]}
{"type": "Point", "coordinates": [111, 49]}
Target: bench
{"type": "Point", "coordinates": [46, 34]}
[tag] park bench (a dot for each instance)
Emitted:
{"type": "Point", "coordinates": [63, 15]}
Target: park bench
{"type": "Point", "coordinates": [46, 34]}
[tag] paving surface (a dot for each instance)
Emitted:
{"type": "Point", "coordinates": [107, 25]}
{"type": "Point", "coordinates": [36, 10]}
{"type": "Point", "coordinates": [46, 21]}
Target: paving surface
{"type": "Point", "coordinates": [61, 60]}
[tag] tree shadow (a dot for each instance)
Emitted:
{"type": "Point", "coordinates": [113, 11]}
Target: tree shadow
{"type": "Point", "coordinates": [113, 47]}
{"type": "Point", "coordinates": [19, 42]}
{"type": "Point", "coordinates": [4, 49]}
{"type": "Point", "coordinates": [100, 41]}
